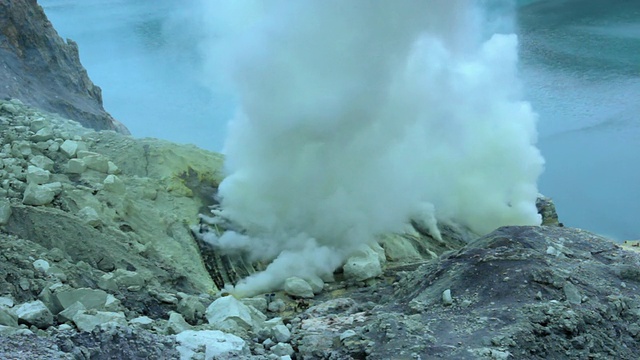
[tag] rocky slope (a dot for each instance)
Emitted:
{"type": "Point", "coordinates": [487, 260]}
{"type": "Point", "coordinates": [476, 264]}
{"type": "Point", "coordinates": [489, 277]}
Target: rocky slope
{"type": "Point", "coordinates": [99, 259]}
{"type": "Point", "coordinates": [42, 70]}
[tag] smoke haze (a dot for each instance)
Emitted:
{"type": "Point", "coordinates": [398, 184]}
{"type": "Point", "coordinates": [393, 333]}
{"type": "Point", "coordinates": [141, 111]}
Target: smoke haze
{"type": "Point", "coordinates": [357, 116]}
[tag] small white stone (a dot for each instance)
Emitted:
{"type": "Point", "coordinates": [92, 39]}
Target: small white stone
{"type": "Point", "coordinates": [446, 297]}
{"type": "Point", "coordinates": [41, 265]}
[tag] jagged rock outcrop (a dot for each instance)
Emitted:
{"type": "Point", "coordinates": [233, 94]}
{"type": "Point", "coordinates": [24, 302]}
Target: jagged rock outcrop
{"type": "Point", "coordinates": [42, 70]}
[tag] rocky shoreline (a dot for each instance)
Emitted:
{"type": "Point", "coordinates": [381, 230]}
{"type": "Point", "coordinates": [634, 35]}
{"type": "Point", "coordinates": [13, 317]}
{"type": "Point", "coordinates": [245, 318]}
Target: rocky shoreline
{"type": "Point", "coordinates": [98, 260]}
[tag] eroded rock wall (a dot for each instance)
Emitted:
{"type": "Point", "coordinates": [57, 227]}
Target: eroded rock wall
{"type": "Point", "coordinates": [42, 70]}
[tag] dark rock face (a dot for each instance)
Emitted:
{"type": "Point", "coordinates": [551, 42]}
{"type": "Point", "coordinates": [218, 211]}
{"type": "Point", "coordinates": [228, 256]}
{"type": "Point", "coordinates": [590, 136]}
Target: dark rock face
{"type": "Point", "coordinates": [40, 69]}
{"type": "Point", "coordinates": [532, 292]}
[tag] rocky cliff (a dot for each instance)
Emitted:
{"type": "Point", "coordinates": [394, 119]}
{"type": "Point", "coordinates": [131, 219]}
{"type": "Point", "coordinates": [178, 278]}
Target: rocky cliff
{"type": "Point", "coordinates": [41, 69]}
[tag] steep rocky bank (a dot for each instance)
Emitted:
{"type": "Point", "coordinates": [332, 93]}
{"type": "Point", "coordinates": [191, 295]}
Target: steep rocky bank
{"type": "Point", "coordinates": [99, 259]}
{"type": "Point", "coordinates": [42, 70]}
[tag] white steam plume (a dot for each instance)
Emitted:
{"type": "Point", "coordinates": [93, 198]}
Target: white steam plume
{"type": "Point", "coordinates": [356, 116]}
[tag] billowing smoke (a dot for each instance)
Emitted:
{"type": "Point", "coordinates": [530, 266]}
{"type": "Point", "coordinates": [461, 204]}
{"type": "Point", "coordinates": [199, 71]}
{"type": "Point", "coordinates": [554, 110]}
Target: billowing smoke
{"type": "Point", "coordinates": [357, 116]}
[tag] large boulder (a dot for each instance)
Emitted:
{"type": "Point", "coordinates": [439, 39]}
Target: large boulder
{"type": "Point", "coordinates": [216, 345]}
{"type": "Point", "coordinates": [229, 314]}
{"type": "Point", "coordinates": [35, 313]}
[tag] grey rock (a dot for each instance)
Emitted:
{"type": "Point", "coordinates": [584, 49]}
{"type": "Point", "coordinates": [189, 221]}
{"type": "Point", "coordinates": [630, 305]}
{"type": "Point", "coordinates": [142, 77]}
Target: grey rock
{"type": "Point", "coordinates": [547, 210]}
{"type": "Point", "coordinates": [21, 149]}
{"type": "Point", "coordinates": [35, 313]}
{"type": "Point", "coordinates": [191, 308]}
{"type": "Point", "coordinates": [128, 278]}
{"type": "Point", "coordinates": [38, 195]}
{"type": "Point", "coordinates": [10, 330]}
{"type": "Point", "coordinates": [112, 303]}
{"type": "Point", "coordinates": [90, 298]}
{"type": "Point", "coordinates": [277, 305]}
{"type": "Point", "coordinates": [365, 264]}
{"type": "Point", "coordinates": [572, 293]}
{"type": "Point", "coordinates": [8, 318]}
{"type": "Point", "coordinates": [268, 344]}
{"type": "Point", "coordinates": [88, 320]}
{"type": "Point", "coordinates": [347, 334]}
{"type": "Point", "coordinates": [10, 108]}
{"type": "Point", "coordinates": [90, 216]}
{"type": "Point", "coordinates": [76, 166]}
{"type": "Point", "coordinates": [6, 301]}
{"type": "Point", "coordinates": [55, 186]}
{"type": "Point", "coordinates": [41, 265]}
{"type": "Point", "coordinates": [107, 282]}
{"type": "Point", "coordinates": [37, 124]}
{"type": "Point", "coordinates": [5, 211]}
{"type": "Point", "coordinates": [258, 302]}
{"type": "Point", "coordinates": [113, 184]}
{"type": "Point", "coordinates": [144, 322]}
{"type": "Point", "coordinates": [94, 161]}
{"type": "Point", "coordinates": [176, 324]}
{"type": "Point", "coordinates": [113, 168]}
{"type": "Point", "coordinates": [282, 349]}
{"type": "Point", "coordinates": [57, 273]}
{"type": "Point", "coordinates": [53, 147]}
{"type": "Point", "coordinates": [67, 314]}
{"type": "Point", "coordinates": [229, 313]}
{"type": "Point", "coordinates": [282, 333]}
{"type": "Point", "coordinates": [42, 162]}
{"type": "Point", "coordinates": [316, 283]}
{"type": "Point", "coordinates": [43, 134]}
{"type": "Point", "coordinates": [216, 345]}
{"type": "Point", "coordinates": [167, 298]}
{"type": "Point", "coordinates": [69, 148]}
{"type": "Point", "coordinates": [36, 175]}
{"type": "Point", "coordinates": [446, 297]}
{"type": "Point", "coordinates": [298, 287]}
